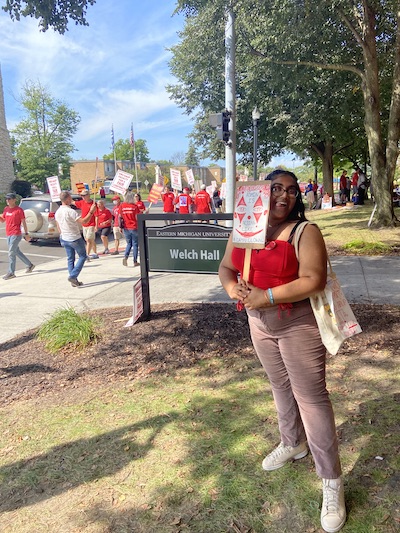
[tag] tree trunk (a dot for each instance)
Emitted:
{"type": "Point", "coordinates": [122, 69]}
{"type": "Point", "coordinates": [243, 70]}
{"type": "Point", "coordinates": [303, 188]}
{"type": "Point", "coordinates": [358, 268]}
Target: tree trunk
{"type": "Point", "coordinates": [324, 150]}
{"type": "Point", "coordinates": [381, 181]}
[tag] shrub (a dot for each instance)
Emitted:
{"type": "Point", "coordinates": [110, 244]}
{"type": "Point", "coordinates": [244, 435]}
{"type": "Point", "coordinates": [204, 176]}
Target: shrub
{"type": "Point", "coordinates": [67, 327]}
{"type": "Point", "coordinates": [23, 188]}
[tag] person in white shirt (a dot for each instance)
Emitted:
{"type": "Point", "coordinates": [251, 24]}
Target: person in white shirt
{"type": "Point", "coordinates": [69, 225]}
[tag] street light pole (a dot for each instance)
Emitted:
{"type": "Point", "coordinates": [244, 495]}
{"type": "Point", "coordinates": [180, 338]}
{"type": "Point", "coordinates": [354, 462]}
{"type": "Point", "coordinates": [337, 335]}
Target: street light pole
{"type": "Point", "coordinates": [256, 119]}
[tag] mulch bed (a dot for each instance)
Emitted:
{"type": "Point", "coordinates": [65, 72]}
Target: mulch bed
{"type": "Point", "coordinates": [177, 336]}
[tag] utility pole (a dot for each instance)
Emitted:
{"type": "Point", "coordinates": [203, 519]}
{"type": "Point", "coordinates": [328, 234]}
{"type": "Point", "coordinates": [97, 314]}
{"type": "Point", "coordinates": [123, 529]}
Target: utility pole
{"type": "Point", "coordinates": [230, 105]}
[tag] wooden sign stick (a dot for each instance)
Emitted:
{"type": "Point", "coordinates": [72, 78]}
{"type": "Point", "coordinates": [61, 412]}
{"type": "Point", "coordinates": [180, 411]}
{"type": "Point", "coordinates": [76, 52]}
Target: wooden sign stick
{"type": "Point", "coordinates": [246, 266]}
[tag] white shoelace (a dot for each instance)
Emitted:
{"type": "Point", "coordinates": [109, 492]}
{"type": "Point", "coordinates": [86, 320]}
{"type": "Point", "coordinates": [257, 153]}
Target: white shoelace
{"type": "Point", "coordinates": [280, 450]}
{"type": "Point", "coordinates": [331, 497]}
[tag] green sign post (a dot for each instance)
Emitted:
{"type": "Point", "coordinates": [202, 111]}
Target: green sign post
{"type": "Point", "coordinates": [191, 244]}
{"type": "Point", "coordinates": [196, 248]}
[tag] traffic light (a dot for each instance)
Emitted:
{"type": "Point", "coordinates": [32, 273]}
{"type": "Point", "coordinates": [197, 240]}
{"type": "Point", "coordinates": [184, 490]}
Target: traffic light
{"type": "Point", "coordinates": [226, 118]}
{"type": "Point", "coordinates": [220, 121]}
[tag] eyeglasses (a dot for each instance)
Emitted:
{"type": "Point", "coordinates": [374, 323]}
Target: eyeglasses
{"type": "Point", "coordinates": [278, 190]}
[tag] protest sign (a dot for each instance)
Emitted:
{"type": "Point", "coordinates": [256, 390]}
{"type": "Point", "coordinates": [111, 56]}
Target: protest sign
{"type": "Point", "coordinates": [53, 185]}
{"type": "Point", "coordinates": [190, 177]}
{"type": "Point", "coordinates": [155, 194]}
{"type": "Point", "coordinates": [176, 179]}
{"type": "Point", "coordinates": [250, 218]}
{"type": "Point", "coordinates": [251, 214]}
{"type": "Point", "coordinates": [121, 182]}
{"type": "Point", "coordinates": [137, 304]}
{"type": "Point", "coordinates": [159, 176]}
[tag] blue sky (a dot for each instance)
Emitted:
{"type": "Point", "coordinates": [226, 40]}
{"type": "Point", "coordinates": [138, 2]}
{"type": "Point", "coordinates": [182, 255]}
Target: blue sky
{"type": "Point", "coordinates": [112, 72]}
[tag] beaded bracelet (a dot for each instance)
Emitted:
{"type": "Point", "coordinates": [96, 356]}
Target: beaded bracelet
{"type": "Point", "coordinates": [270, 296]}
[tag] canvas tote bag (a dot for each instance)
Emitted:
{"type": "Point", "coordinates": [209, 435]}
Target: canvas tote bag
{"type": "Point", "coordinates": [333, 314]}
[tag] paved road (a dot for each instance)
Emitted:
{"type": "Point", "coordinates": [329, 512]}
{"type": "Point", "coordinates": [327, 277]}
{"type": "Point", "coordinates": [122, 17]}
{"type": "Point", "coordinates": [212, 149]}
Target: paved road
{"type": "Point", "coordinates": [38, 252]}
{"type": "Point", "coordinates": [43, 251]}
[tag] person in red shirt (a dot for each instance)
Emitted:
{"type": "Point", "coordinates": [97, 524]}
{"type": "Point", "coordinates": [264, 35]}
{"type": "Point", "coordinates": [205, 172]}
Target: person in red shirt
{"type": "Point", "coordinates": [168, 198]}
{"type": "Point", "coordinates": [14, 217]}
{"type": "Point", "coordinates": [343, 187]}
{"type": "Point", "coordinates": [139, 203]}
{"type": "Point", "coordinates": [129, 213]}
{"type": "Point", "coordinates": [203, 201]}
{"type": "Point", "coordinates": [116, 213]}
{"type": "Point", "coordinates": [89, 228]}
{"type": "Point", "coordinates": [354, 181]}
{"type": "Point", "coordinates": [184, 201]}
{"type": "Point", "coordinates": [104, 219]}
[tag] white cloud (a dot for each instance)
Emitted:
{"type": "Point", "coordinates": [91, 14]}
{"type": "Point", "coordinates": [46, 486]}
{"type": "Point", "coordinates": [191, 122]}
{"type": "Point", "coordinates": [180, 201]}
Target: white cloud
{"type": "Point", "coordinates": [113, 71]}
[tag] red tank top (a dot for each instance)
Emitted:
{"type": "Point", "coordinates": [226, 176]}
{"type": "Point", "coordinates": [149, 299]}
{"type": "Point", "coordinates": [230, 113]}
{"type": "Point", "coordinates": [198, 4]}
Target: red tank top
{"type": "Point", "coordinates": [274, 265]}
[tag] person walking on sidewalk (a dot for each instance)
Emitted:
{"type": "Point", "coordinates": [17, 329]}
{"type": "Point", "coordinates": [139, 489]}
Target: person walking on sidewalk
{"type": "Point", "coordinates": [69, 225]}
{"type": "Point", "coordinates": [89, 226]}
{"type": "Point", "coordinates": [104, 219]}
{"type": "Point", "coordinates": [117, 231]}
{"type": "Point", "coordinates": [286, 338]}
{"type": "Point", "coordinates": [14, 217]}
{"type": "Point", "coordinates": [129, 212]}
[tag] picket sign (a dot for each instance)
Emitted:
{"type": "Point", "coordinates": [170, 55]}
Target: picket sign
{"type": "Point", "coordinates": [250, 218]}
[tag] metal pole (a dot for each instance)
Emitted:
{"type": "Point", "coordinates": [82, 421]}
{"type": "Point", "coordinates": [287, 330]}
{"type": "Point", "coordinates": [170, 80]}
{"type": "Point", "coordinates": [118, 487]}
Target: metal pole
{"type": "Point", "coordinates": [255, 149]}
{"type": "Point", "coordinates": [230, 105]}
{"type": "Point", "coordinates": [134, 162]}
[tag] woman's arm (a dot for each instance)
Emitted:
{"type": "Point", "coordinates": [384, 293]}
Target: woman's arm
{"type": "Point", "coordinates": [312, 274]}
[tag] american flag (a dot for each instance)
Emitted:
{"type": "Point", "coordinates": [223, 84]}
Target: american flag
{"type": "Point", "coordinates": [112, 137]}
{"type": "Point", "coordinates": [131, 138]}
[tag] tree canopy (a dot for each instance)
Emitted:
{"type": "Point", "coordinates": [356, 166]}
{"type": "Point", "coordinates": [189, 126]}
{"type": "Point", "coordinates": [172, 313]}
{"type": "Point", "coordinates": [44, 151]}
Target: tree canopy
{"type": "Point", "coordinates": [192, 158]}
{"type": "Point", "coordinates": [43, 139]}
{"type": "Point", "coordinates": [50, 14]}
{"type": "Point", "coordinates": [124, 151]}
{"type": "Point", "coordinates": [280, 42]}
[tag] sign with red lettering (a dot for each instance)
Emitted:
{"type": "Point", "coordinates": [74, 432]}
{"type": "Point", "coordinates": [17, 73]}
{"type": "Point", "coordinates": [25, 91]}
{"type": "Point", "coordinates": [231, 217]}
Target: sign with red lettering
{"type": "Point", "coordinates": [176, 179]}
{"type": "Point", "coordinates": [53, 184]}
{"type": "Point", "coordinates": [250, 215]}
{"type": "Point", "coordinates": [121, 182]}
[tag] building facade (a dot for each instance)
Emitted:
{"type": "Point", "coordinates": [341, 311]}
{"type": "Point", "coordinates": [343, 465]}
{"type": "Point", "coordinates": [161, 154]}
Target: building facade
{"type": "Point", "coordinates": [86, 172]}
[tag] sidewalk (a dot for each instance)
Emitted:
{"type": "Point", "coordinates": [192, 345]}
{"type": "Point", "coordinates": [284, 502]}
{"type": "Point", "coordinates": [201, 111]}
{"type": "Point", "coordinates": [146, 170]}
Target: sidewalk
{"type": "Point", "coordinates": [28, 299]}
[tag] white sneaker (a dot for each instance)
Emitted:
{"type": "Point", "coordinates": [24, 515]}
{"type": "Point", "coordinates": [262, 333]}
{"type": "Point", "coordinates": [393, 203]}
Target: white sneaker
{"type": "Point", "coordinates": [333, 512]}
{"type": "Point", "coordinates": [283, 454]}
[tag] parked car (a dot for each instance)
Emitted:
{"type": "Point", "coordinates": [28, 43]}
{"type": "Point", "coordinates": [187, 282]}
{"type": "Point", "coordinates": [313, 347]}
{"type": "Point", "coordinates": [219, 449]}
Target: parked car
{"type": "Point", "coordinates": [40, 216]}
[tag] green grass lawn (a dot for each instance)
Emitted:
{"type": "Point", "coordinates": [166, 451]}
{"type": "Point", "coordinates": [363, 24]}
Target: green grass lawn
{"type": "Point", "coordinates": [183, 452]}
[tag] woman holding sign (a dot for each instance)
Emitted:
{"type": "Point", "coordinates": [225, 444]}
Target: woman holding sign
{"type": "Point", "coordinates": [287, 340]}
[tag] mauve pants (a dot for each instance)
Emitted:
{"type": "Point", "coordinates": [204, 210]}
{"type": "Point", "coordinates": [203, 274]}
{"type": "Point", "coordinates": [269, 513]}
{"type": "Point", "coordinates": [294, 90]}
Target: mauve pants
{"type": "Point", "coordinates": [289, 347]}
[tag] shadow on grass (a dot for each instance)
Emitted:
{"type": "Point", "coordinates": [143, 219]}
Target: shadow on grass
{"type": "Point", "coordinates": [28, 482]}
{"type": "Point", "coordinates": [245, 499]}
{"type": "Point", "coordinates": [222, 440]}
